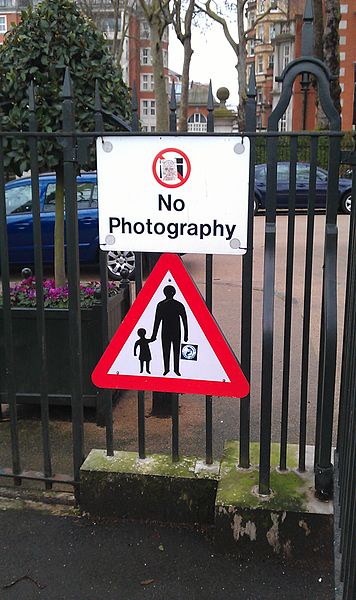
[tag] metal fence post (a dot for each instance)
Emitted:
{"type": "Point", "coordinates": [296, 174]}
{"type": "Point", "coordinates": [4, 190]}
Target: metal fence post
{"type": "Point", "coordinates": [40, 311]}
{"type": "Point", "coordinates": [75, 337]}
{"type": "Point", "coordinates": [247, 273]}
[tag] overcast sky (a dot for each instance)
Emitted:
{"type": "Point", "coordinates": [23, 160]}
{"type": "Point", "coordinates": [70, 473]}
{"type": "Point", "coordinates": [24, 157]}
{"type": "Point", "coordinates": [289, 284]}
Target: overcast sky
{"type": "Point", "coordinates": [213, 59]}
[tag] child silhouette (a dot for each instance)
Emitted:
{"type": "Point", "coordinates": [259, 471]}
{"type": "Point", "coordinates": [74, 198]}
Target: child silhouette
{"type": "Point", "coordinates": [145, 352]}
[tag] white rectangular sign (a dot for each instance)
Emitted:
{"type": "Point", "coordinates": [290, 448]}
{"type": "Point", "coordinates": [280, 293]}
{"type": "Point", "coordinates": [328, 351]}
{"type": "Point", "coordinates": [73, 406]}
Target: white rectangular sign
{"type": "Point", "coordinates": [173, 193]}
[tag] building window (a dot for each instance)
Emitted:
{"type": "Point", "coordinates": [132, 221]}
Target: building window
{"type": "Point", "coordinates": [343, 8]}
{"type": "Point", "coordinates": [262, 6]}
{"type": "Point", "coordinates": [272, 32]}
{"type": "Point", "coordinates": [259, 96]}
{"type": "Point", "coordinates": [259, 122]}
{"type": "Point", "coordinates": [260, 65]}
{"type": "Point", "coordinates": [144, 30]}
{"type": "Point", "coordinates": [165, 35]}
{"type": "Point", "coordinates": [250, 19]}
{"type": "Point", "coordinates": [260, 34]}
{"type": "Point", "coordinates": [165, 58]}
{"type": "Point", "coordinates": [342, 55]}
{"type": "Point", "coordinates": [286, 55]}
{"type": "Point", "coordinates": [270, 61]}
{"type": "Point", "coordinates": [197, 122]}
{"type": "Point", "coordinates": [252, 47]}
{"type": "Point", "coordinates": [148, 107]}
{"type": "Point", "coordinates": [342, 40]}
{"type": "Point", "coordinates": [146, 58]}
{"type": "Point", "coordinates": [3, 24]}
{"type": "Point", "coordinates": [343, 24]}
{"type": "Point", "coordinates": [146, 82]}
{"type": "Point", "coordinates": [283, 123]}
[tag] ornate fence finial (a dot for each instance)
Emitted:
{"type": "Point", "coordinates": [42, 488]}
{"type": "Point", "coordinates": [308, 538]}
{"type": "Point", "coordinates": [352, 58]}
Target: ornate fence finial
{"type": "Point", "coordinates": [173, 109]}
{"type": "Point", "coordinates": [134, 108]}
{"type": "Point", "coordinates": [98, 109]}
{"type": "Point", "coordinates": [307, 30]}
{"type": "Point", "coordinates": [210, 107]}
{"type": "Point", "coordinates": [67, 85]}
{"type": "Point", "coordinates": [251, 90]}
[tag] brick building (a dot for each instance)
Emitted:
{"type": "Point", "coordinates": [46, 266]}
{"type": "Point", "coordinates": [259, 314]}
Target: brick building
{"type": "Point", "coordinates": [347, 41]}
{"type": "Point", "coordinates": [10, 11]}
{"type": "Point", "coordinates": [263, 17]}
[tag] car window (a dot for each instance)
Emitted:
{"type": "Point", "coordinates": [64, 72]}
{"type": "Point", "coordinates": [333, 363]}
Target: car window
{"type": "Point", "coordinates": [260, 172]}
{"type": "Point", "coordinates": [303, 172]}
{"type": "Point", "coordinates": [321, 176]}
{"type": "Point", "coordinates": [282, 172]}
{"type": "Point", "coordinates": [18, 199]}
{"type": "Point", "coordinates": [87, 196]}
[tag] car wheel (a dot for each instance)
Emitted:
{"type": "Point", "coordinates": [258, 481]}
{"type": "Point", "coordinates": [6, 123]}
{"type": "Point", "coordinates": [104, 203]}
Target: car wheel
{"type": "Point", "coordinates": [256, 205]}
{"type": "Point", "coordinates": [345, 203]}
{"type": "Point", "coordinates": [121, 263]}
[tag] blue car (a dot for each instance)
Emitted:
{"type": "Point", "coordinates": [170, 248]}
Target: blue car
{"type": "Point", "coordinates": [18, 197]}
{"type": "Point", "coordinates": [302, 187]}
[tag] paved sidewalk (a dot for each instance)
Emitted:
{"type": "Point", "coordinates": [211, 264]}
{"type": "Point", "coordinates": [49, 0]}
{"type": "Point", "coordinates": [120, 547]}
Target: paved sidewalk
{"type": "Point", "coordinates": [49, 552]}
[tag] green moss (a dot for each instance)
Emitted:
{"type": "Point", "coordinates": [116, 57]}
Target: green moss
{"type": "Point", "coordinates": [232, 454]}
{"type": "Point", "coordinates": [154, 464]}
{"type": "Point", "coordinates": [236, 486]}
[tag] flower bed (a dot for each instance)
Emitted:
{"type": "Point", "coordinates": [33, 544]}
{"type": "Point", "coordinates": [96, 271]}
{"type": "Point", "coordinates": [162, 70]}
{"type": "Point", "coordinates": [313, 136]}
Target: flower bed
{"type": "Point", "coordinates": [23, 294]}
{"type": "Point", "coordinates": [26, 347]}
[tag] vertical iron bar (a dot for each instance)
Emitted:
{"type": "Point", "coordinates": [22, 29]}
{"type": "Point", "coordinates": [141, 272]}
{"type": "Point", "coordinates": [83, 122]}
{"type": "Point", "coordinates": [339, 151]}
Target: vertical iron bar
{"type": "Point", "coordinates": [72, 247]}
{"type": "Point", "coordinates": [268, 318]}
{"type": "Point", "coordinates": [288, 302]}
{"type": "Point", "coordinates": [348, 325]}
{"type": "Point", "coordinates": [40, 310]}
{"type": "Point", "coordinates": [308, 271]}
{"type": "Point", "coordinates": [105, 394]}
{"type": "Point", "coordinates": [208, 399]}
{"type": "Point", "coordinates": [138, 287]}
{"type": "Point", "coordinates": [10, 379]}
{"type": "Point", "coordinates": [140, 393]}
{"type": "Point", "coordinates": [324, 467]}
{"type": "Point", "coordinates": [209, 303]}
{"type": "Point", "coordinates": [247, 272]}
{"type": "Point", "coordinates": [175, 427]}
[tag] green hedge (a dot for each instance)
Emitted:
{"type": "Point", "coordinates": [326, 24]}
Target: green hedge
{"type": "Point", "coordinates": [283, 153]}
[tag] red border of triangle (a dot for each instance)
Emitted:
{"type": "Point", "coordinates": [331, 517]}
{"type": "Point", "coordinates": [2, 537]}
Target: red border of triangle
{"type": "Point", "coordinates": [237, 387]}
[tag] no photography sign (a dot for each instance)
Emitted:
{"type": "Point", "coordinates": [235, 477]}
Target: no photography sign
{"type": "Point", "coordinates": [173, 193]}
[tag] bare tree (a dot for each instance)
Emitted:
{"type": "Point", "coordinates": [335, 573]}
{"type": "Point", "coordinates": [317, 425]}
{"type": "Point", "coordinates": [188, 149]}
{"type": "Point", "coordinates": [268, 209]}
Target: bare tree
{"type": "Point", "coordinates": [183, 14]}
{"type": "Point", "coordinates": [158, 15]}
{"type": "Point", "coordinates": [239, 45]}
{"type": "Point", "coordinates": [326, 48]}
{"type": "Point", "coordinates": [331, 48]}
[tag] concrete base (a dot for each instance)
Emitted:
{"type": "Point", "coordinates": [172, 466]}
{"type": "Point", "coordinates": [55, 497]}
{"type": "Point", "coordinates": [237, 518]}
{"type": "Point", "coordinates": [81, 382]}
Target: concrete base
{"type": "Point", "coordinates": [289, 522]}
{"type": "Point", "coordinates": [152, 488]}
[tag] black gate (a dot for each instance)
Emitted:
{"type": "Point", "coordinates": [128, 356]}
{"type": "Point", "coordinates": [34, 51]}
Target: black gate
{"type": "Point", "coordinates": [270, 148]}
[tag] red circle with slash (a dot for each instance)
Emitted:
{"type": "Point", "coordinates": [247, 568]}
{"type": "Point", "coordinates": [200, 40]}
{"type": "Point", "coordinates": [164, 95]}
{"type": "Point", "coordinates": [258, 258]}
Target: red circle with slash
{"type": "Point", "coordinates": [182, 179]}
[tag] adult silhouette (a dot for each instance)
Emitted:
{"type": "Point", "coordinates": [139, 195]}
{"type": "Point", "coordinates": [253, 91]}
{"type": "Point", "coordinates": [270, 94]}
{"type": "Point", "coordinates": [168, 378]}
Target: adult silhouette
{"type": "Point", "coordinates": [170, 313]}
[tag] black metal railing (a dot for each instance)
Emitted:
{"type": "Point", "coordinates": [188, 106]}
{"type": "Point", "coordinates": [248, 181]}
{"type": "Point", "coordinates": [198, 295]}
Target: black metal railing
{"type": "Point", "coordinates": [75, 144]}
{"type": "Point", "coordinates": [345, 459]}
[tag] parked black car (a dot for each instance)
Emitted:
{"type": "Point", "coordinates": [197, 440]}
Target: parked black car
{"type": "Point", "coordinates": [302, 187]}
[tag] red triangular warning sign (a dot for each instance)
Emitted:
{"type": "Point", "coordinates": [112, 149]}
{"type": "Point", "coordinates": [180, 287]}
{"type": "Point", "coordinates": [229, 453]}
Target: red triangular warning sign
{"type": "Point", "coordinates": [169, 341]}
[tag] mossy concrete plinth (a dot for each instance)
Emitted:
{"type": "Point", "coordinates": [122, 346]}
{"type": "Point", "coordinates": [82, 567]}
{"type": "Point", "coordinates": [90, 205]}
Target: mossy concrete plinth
{"type": "Point", "coordinates": [288, 522]}
{"type": "Point", "coordinates": [153, 488]}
